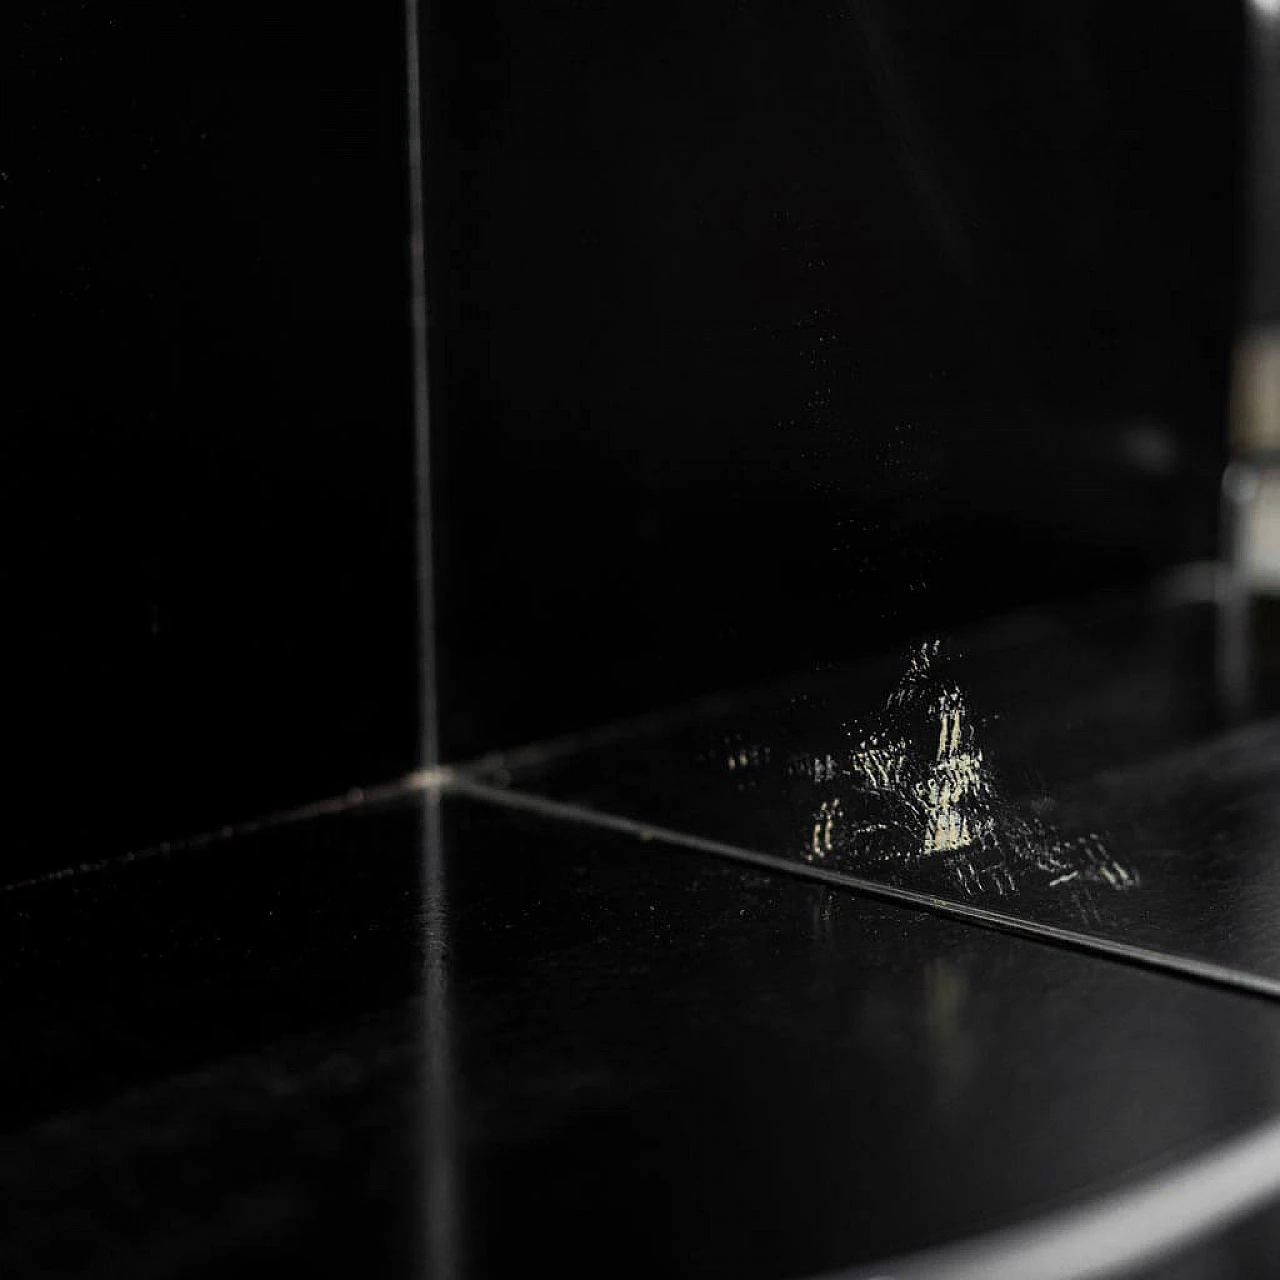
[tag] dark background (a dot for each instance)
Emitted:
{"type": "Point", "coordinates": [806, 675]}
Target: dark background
{"type": "Point", "coordinates": [206, 459]}
{"type": "Point", "coordinates": [767, 332]}
{"type": "Point", "coordinates": [762, 334]}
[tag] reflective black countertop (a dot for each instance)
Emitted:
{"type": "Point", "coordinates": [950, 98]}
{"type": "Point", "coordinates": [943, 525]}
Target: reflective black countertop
{"type": "Point", "coordinates": [452, 1035]}
{"type": "Point", "coordinates": [1078, 775]}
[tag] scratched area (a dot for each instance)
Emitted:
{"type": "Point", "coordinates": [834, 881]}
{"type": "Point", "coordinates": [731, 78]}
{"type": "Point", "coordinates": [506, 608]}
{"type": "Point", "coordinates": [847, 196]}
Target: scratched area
{"type": "Point", "coordinates": [1081, 777]}
{"type": "Point", "coordinates": [914, 789]}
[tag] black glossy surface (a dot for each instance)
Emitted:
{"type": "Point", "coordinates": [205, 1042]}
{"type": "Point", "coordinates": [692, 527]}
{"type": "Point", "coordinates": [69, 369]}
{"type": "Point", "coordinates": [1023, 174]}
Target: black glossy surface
{"type": "Point", "coordinates": [769, 332]}
{"type": "Point", "coordinates": [213, 1060]}
{"type": "Point", "coordinates": [584, 1048]}
{"type": "Point", "coordinates": [741, 317]}
{"type": "Point", "coordinates": [157, 967]}
{"type": "Point", "coordinates": [734, 1074]}
{"type": "Point", "coordinates": [762, 333]}
{"type": "Point", "coordinates": [206, 472]}
{"type": "Point", "coordinates": [1107, 794]}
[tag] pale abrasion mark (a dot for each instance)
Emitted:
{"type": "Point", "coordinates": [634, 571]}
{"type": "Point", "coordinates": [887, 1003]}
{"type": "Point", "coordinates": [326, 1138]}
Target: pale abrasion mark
{"type": "Point", "coordinates": [947, 795]}
{"type": "Point", "coordinates": [821, 842]}
{"type": "Point", "coordinates": [923, 768]}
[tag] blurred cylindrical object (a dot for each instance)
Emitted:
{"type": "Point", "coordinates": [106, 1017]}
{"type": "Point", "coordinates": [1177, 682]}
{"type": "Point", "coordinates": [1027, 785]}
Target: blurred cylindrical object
{"type": "Point", "coordinates": [1255, 394]}
{"type": "Point", "coordinates": [1250, 551]}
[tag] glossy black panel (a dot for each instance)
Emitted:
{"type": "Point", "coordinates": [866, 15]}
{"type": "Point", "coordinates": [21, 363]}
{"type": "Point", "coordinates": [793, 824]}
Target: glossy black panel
{"type": "Point", "coordinates": [213, 1059]}
{"type": "Point", "coordinates": [149, 969]}
{"type": "Point", "coordinates": [683, 1066]}
{"type": "Point", "coordinates": [206, 462]}
{"type": "Point", "coordinates": [580, 1047]}
{"type": "Point", "coordinates": [767, 332]}
{"type": "Point", "coordinates": [1077, 774]}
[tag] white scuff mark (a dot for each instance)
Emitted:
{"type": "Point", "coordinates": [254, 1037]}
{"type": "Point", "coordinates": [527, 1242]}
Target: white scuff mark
{"type": "Point", "coordinates": [740, 756]}
{"type": "Point", "coordinates": [822, 842]}
{"type": "Point", "coordinates": [922, 765]}
{"type": "Point", "coordinates": [946, 794]}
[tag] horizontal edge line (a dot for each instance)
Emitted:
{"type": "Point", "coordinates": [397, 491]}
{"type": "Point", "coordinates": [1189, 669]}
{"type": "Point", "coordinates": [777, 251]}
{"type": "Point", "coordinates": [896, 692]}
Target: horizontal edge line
{"type": "Point", "coordinates": [1202, 970]}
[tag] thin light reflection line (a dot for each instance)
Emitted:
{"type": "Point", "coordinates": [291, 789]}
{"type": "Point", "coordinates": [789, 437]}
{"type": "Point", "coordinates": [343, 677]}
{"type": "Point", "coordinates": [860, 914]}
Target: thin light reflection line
{"type": "Point", "coordinates": [429, 738]}
{"type": "Point", "coordinates": [1185, 966]}
{"type": "Point", "coordinates": [355, 798]}
{"type": "Point", "coordinates": [440, 1243]}
{"type": "Point", "coordinates": [442, 1259]}
{"type": "Point", "coordinates": [451, 781]}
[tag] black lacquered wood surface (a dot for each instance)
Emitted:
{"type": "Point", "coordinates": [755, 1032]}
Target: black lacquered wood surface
{"type": "Point", "coordinates": [474, 1039]}
{"type": "Point", "coordinates": [1078, 774]}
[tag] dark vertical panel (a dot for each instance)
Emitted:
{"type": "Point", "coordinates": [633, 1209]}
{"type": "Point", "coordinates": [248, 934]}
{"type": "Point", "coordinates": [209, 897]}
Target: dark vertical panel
{"type": "Point", "coordinates": [766, 332]}
{"type": "Point", "coordinates": [207, 464]}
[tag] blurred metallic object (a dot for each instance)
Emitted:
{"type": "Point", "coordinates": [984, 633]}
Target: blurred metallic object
{"type": "Point", "coordinates": [1255, 396]}
{"type": "Point", "coordinates": [1250, 535]}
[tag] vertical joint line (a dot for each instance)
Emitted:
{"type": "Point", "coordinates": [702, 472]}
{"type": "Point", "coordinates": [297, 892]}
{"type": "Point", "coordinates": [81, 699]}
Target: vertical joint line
{"type": "Point", "coordinates": [429, 742]}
